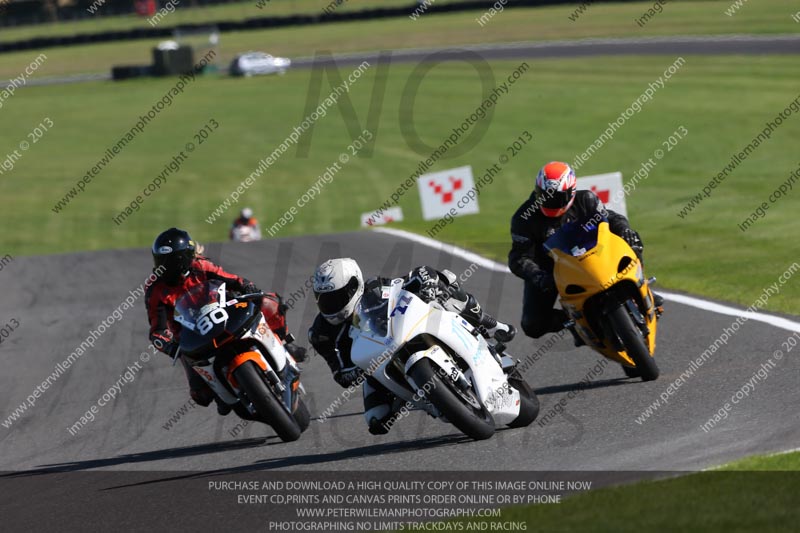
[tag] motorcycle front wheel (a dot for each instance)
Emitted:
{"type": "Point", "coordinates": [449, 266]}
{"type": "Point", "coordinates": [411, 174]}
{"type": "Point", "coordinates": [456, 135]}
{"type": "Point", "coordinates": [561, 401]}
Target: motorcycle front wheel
{"type": "Point", "coordinates": [473, 422]}
{"type": "Point", "coordinates": [634, 344]}
{"type": "Point", "coordinates": [267, 404]}
{"type": "Point", "coordinates": [301, 415]}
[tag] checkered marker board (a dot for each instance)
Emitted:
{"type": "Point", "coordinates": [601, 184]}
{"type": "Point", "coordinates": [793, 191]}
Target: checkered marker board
{"type": "Point", "coordinates": [608, 187]}
{"type": "Point", "coordinates": [443, 193]}
{"type": "Point", "coordinates": [381, 218]}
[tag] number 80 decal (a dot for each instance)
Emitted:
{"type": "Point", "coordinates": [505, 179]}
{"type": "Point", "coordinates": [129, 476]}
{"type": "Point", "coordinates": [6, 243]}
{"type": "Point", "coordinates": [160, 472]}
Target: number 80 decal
{"type": "Point", "coordinates": [217, 316]}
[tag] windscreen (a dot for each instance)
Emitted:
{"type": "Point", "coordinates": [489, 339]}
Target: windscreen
{"type": "Point", "coordinates": [372, 314]}
{"type": "Point", "coordinates": [198, 302]}
{"type": "Point", "coordinates": [575, 238]}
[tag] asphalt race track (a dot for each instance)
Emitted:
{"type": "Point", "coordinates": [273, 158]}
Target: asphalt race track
{"type": "Point", "coordinates": [127, 470]}
{"type": "Point", "coordinates": [59, 299]}
{"type": "Point", "coordinates": [667, 45]}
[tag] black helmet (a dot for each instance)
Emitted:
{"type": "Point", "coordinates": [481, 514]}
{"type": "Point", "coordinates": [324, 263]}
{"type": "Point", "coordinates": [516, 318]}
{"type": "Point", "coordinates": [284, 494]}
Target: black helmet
{"type": "Point", "coordinates": [174, 251]}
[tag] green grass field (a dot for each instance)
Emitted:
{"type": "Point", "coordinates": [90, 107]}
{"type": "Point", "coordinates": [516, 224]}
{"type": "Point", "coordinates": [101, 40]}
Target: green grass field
{"type": "Point", "coordinates": [565, 104]}
{"type": "Point", "coordinates": [759, 463]}
{"type": "Point", "coordinates": [233, 11]}
{"type": "Point", "coordinates": [547, 23]}
{"type": "Point", "coordinates": [757, 494]}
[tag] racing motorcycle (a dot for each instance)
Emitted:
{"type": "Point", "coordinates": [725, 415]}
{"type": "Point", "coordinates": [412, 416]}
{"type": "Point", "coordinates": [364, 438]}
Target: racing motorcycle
{"type": "Point", "coordinates": [434, 360]}
{"type": "Point", "coordinates": [245, 234]}
{"type": "Point", "coordinates": [226, 340]}
{"type": "Point", "coordinates": [602, 287]}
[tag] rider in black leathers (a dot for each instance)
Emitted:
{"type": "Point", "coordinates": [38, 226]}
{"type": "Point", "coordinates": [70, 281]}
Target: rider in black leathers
{"type": "Point", "coordinates": [338, 287]}
{"type": "Point", "coordinates": [554, 202]}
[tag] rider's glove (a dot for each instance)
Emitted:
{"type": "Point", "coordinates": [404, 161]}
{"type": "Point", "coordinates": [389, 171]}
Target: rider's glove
{"type": "Point", "coordinates": [347, 377]}
{"type": "Point", "coordinates": [299, 353]}
{"type": "Point", "coordinates": [544, 282]}
{"type": "Point", "coordinates": [249, 288]}
{"type": "Point", "coordinates": [634, 241]}
{"type": "Point", "coordinates": [164, 342]}
{"type": "Point", "coordinates": [429, 291]}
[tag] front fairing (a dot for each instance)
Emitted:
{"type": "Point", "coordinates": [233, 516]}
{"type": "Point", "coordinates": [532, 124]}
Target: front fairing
{"type": "Point", "coordinates": [209, 320]}
{"type": "Point", "coordinates": [590, 259]}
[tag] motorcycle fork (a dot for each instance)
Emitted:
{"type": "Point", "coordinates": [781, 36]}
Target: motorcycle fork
{"type": "Point", "coordinates": [289, 385]}
{"type": "Point", "coordinates": [638, 318]}
{"type": "Point", "coordinates": [635, 313]}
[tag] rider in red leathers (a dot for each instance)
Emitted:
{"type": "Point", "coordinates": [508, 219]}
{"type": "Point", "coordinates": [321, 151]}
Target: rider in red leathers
{"type": "Point", "coordinates": [179, 269]}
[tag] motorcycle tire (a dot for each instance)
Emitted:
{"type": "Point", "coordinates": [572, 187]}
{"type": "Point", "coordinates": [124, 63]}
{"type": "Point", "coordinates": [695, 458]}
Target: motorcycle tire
{"type": "Point", "coordinates": [302, 416]}
{"type": "Point", "coordinates": [267, 404]}
{"type": "Point", "coordinates": [528, 401]}
{"type": "Point", "coordinates": [630, 371]}
{"type": "Point", "coordinates": [478, 425]}
{"type": "Point", "coordinates": [634, 344]}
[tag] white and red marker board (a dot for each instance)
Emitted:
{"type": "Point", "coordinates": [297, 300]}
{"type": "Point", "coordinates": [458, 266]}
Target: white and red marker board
{"type": "Point", "coordinates": [441, 192]}
{"type": "Point", "coordinates": [608, 187]}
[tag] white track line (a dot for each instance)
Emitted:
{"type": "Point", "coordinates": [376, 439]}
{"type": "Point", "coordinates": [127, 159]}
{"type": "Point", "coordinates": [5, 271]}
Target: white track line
{"type": "Point", "coordinates": [773, 454]}
{"type": "Point", "coordinates": [691, 301]}
{"type": "Point", "coordinates": [472, 257]}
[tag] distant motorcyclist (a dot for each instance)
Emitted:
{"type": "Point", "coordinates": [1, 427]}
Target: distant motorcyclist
{"type": "Point", "coordinates": [339, 286]}
{"type": "Point", "coordinates": [554, 201]}
{"type": "Point", "coordinates": [245, 228]}
{"type": "Point", "coordinates": [179, 269]}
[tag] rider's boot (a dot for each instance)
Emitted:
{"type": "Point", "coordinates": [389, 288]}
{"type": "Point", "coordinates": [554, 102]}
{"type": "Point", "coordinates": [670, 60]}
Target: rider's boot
{"type": "Point", "coordinates": [658, 300]}
{"type": "Point", "coordinates": [576, 339]}
{"type": "Point", "coordinates": [199, 390]}
{"type": "Point", "coordinates": [202, 395]}
{"type": "Point", "coordinates": [222, 407]}
{"type": "Point", "coordinates": [486, 323]}
{"type": "Point", "coordinates": [299, 353]}
{"type": "Point", "coordinates": [378, 407]}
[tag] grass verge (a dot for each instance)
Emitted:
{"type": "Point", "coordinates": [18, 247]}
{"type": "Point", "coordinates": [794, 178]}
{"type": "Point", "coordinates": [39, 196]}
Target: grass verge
{"type": "Point", "coordinates": [523, 24]}
{"type": "Point", "coordinates": [756, 494]}
{"type": "Point", "coordinates": [723, 102]}
{"type": "Point", "coordinates": [233, 11]}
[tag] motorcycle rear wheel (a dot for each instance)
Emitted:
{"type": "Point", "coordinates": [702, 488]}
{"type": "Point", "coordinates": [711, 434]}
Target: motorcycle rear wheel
{"type": "Point", "coordinates": [268, 406]}
{"type": "Point", "coordinates": [529, 402]}
{"type": "Point", "coordinates": [634, 344]}
{"type": "Point", "coordinates": [478, 425]}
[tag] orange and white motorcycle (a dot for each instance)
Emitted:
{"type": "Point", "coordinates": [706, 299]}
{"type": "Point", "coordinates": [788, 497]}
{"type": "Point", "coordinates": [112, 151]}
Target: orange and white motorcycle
{"type": "Point", "coordinates": [603, 289]}
{"type": "Point", "coordinates": [245, 233]}
{"type": "Point", "coordinates": [226, 340]}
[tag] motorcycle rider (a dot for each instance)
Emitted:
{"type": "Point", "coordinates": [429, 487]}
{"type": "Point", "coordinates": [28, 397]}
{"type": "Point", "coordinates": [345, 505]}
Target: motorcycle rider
{"type": "Point", "coordinates": [339, 286]}
{"type": "Point", "coordinates": [554, 201]}
{"type": "Point", "coordinates": [245, 228]}
{"type": "Point", "coordinates": [181, 268]}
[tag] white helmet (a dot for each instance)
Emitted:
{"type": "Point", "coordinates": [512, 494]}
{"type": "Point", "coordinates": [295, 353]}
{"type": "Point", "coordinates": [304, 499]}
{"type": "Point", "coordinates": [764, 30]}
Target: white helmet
{"type": "Point", "coordinates": [338, 286]}
{"type": "Point", "coordinates": [246, 213]}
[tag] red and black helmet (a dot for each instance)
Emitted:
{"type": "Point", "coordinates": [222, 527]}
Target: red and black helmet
{"type": "Point", "coordinates": [556, 186]}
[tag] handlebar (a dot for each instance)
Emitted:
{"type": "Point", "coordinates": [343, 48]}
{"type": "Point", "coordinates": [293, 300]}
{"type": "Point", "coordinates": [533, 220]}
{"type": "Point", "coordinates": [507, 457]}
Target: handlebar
{"type": "Point", "coordinates": [251, 296]}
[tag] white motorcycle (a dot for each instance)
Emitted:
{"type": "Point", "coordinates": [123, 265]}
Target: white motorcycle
{"type": "Point", "coordinates": [436, 361]}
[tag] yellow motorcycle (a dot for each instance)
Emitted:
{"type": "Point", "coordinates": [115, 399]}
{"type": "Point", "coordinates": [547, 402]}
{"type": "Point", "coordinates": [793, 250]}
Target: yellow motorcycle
{"type": "Point", "coordinates": [602, 288]}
